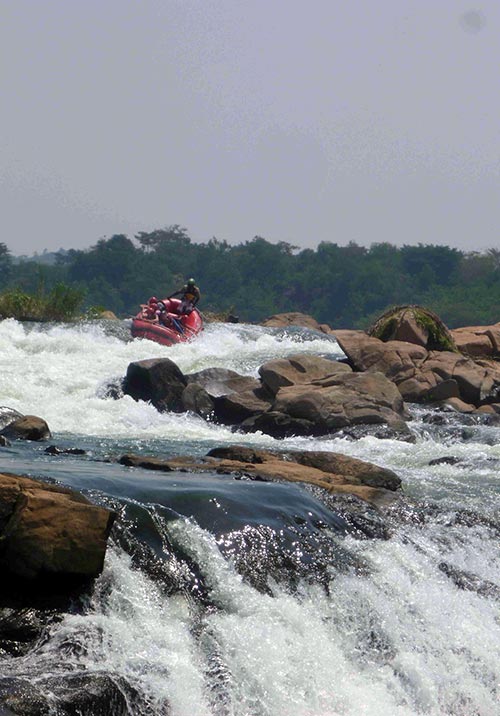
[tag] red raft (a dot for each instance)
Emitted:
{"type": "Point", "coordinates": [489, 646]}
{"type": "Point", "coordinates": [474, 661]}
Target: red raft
{"type": "Point", "coordinates": [176, 328]}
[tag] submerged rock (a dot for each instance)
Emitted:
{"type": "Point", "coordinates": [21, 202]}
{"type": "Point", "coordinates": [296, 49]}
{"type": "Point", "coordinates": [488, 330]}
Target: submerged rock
{"type": "Point", "coordinates": [335, 473]}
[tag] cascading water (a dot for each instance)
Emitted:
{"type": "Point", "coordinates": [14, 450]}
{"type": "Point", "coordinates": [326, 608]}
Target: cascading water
{"type": "Point", "coordinates": [225, 597]}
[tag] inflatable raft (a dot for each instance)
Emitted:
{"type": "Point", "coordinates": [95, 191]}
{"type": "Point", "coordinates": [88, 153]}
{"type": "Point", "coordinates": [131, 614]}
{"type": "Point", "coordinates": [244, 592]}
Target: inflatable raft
{"type": "Point", "coordinates": [168, 329]}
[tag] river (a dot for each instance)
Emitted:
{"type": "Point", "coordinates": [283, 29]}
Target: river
{"type": "Point", "coordinates": [244, 598]}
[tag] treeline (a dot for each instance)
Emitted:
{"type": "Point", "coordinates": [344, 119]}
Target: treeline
{"type": "Point", "coordinates": [345, 286]}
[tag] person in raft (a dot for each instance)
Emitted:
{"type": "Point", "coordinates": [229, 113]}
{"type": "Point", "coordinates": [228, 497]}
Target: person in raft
{"type": "Point", "coordinates": [190, 296]}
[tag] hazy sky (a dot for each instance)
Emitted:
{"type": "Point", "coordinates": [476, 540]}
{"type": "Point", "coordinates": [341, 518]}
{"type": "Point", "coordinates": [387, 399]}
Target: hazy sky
{"type": "Point", "coordinates": [326, 120]}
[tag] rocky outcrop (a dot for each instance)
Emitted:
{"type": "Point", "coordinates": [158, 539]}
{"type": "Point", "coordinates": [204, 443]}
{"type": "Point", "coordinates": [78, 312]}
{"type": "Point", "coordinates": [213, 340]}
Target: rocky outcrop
{"type": "Point", "coordinates": [299, 395]}
{"type": "Point", "coordinates": [333, 472]}
{"type": "Point", "coordinates": [422, 375]}
{"type": "Point", "coordinates": [285, 320]}
{"type": "Point", "coordinates": [47, 530]}
{"type": "Point", "coordinates": [16, 426]}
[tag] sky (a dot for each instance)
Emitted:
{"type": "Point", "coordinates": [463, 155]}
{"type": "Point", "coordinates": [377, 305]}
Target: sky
{"type": "Point", "coordinates": [327, 120]}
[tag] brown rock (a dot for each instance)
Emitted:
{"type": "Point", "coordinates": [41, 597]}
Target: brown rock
{"type": "Point", "coordinates": [222, 381]}
{"type": "Point", "coordinates": [333, 472]}
{"type": "Point", "coordinates": [50, 530]}
{"type": "Point", "coordinates": [29, 427]}
{"type": "Point", "coordinates": [299, 369]}
{"type": "Point", "coordinates": [196, 400]}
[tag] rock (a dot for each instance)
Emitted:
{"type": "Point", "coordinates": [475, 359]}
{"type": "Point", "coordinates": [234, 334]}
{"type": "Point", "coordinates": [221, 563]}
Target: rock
{"type": "Point", "coordinates": [3, 441]}
{"type": "Point", "coordinates": [299, 369]}
{"type": "Point", "coordinates": [478, 341]}
{"type": "Point", "coordinates": [234, 408]}
{"type": "Point", "coordinates": [351, 399]}
{"type": "Point", "coordinates": [470, 582]}
{"type": "Point", "coordinates": [68, 694]}
{"type": "Point", "coordinates": [278, 425]}
{"type": "Point", "coordinates": [54, 450]}
{"type": "Point", "coordinates": [222, 381]}
{"type": "Point", "coordinates": [422, 375]}
{"type": "Point", "coordinates": [335, 473]}
{"type": "Point", "coordinates": [150, 463]}
{"type": "Point", "coordinates": [195, 399]}
{"type": "Point", "coordinates": [49, 530]}
{"type": "Point", "coordinates": [413, 324]}
{"type": "Point", "coordinates": [108, 316]}
{"type": "Point", "coordinates": [445, 460]}
{"type": "Point", "coordinates": [157, 380]}
{"type": "Point", "coordinates": [283, 320]}
{"type": "Point", "coordinates": [8, 416]}
{"type": "Point", "coordinates": [28, 427]}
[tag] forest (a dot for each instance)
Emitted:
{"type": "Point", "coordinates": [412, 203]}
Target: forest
{"type": "Point", "coordinates": [344, 286]}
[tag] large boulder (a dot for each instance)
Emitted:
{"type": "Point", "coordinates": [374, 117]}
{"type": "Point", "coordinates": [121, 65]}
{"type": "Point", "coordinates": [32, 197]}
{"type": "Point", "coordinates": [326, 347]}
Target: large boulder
{"type": "Point", "coordinates": [413, 324]}
{"type": "Point", "coordinates": [27, 427]}
{"type": "Point", "coordinates": [299, 369]}
{"type": "Point", "coordinates": [350, 399]}
{"type": "Point", "coordinates": [157, 380]}
{"type": "Point", "coordinates": [222, 381]}
{"type": "Point", "coordinates": [47, 530]}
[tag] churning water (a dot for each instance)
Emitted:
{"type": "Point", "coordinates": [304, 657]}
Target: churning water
{"type": "Point", "coordinates": [224, 597]}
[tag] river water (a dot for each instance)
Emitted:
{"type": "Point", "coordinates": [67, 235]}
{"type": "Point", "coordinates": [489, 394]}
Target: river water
{"type": "Point", "coordinates": [225, 597]}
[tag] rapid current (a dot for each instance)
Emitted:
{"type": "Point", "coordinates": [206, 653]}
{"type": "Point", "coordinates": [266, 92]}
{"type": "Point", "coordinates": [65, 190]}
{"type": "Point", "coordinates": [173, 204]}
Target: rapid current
{"type": "Point", "coordinates": [225, 597]}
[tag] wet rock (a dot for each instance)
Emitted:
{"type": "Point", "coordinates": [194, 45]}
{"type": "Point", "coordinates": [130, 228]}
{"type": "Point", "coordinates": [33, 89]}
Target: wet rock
{"type": "Point", "coordinates": [46, 530]}
{"type": "Point", "coordinates": [222, 381]}
{"type": "Point", "coordinates": [28, 427]}
{"type": "Point", "coordinates": [298, 370]}
{"type": "Point", "coordinates": [446, 460]}
{"type": "Point", "coordinates": [54, 450]}
{"type": "Point", "coordinates": [470, 582]}
{"type": "Point", "coordinates": [195, 399]}
{"type": "Point", "coordinates": [71, 694]}
{"type": "Point", "coordinates": [157, 380]}
{"type": "Point", "coordinates": [237, 407]}
{"type": "Point", "coordinates": [332, 472]}
{"type": "Point", "coordinates": [8, 416]}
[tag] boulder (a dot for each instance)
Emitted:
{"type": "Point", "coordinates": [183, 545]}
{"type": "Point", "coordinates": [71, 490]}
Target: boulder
{"type": "Point", "coordinates": [222, 381]}
{"type": "Point", "coordinates": [284, 320]}
{"type": "Point", "coordinates": [195, 399]}
{"type": "Point", "coordinates": [234, 408]}
{"type": "Point", "coordinates": [413, 324]}
{"type": "Point", "coordinates": [299, 369]}
{"type": "Point", "coordinates": [478, 341]}
{"type": "Point", "coordinates": [47, 530]}
{"type": "Point", "coordinates": [157, 380]}
{"type": "Point", "coordinates": [350, 399]}
{"type": "Point", "coordinates": [27, 427]}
